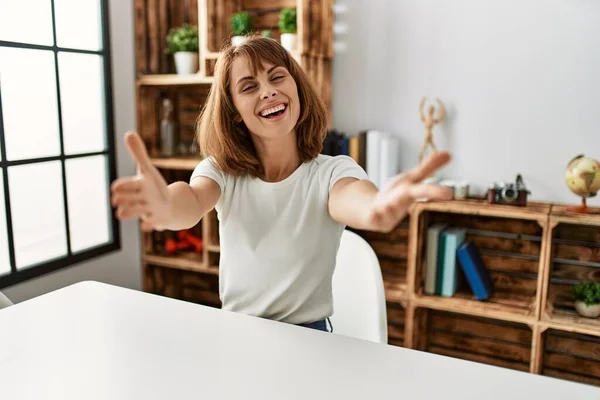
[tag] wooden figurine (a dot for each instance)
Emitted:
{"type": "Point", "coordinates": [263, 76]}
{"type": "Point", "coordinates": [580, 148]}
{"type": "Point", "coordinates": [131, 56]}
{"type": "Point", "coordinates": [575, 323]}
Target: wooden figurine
{"type": "Point", "coordinates": [430, 121]}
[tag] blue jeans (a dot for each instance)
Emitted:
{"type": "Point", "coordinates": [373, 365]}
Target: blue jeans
{"type": "Point", "coordinates": [320, 325]}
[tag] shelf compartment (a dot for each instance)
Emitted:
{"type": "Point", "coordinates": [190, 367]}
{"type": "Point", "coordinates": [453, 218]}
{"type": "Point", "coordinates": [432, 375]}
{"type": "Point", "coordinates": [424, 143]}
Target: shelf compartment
{"type": "Point", "coordinates": [574, 257]}
{"type": "Point", "coordinates": [512, 252]}
{"type": "Point", "coordinates": [482, 340]}
{"type": "Point", "coordinates": [187, 102]}
{"type": "Point", "coordinates": [571, 356]}
{"type": "Point", "coordinates": [396, 320]}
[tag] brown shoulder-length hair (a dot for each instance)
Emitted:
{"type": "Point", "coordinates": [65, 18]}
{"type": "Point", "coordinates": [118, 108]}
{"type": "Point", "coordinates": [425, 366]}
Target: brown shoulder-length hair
{"type": "Point", "coordinates": [223, 136]}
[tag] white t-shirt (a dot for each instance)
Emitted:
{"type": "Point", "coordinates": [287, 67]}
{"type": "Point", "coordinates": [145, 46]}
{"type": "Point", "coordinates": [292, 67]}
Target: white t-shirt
{"type": "Point", "coordinates": [278, 241]}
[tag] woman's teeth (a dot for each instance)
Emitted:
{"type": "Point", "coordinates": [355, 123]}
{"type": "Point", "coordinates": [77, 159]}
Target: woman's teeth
{"type": "Point", "coordinates": [272, 110]}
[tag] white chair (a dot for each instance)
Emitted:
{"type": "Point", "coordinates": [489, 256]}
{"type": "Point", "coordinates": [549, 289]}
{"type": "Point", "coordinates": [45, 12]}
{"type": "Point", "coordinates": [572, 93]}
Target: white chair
{"type": "Point", "coordinates": [359, 307]}
{"type": "Point", "coordinates": [4, 301]}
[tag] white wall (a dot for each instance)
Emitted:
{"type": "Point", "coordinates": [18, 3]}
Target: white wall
{"type": "Point", "coordinates": [120, 268]}
{"type": "Point", "coordinates": [521, 79]}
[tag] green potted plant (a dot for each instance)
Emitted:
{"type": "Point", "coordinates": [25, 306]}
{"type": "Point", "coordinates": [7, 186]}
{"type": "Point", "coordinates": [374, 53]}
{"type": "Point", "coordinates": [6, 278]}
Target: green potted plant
{"type": "Point", "coordinates": [182, 43]}
{"type": "Point", "coordinates": [241, 25]}
{"type": "Point", "coordinates": [288, 27]}
{"type": "Point", "coordinates": [267, 33]}
{"type": "Point", "coordinates": [587, 299]}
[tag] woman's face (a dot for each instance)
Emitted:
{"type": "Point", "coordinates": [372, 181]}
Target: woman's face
{"type": "Point", "coordinates": [268, 102]}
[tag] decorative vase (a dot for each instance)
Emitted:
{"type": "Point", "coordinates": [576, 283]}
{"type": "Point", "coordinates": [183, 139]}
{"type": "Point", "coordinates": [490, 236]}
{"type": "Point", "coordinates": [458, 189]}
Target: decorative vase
{"type": "Point", "coordinates": [591, 311]}
{"type": "Point", "coordinates": [186, 62]}
{"type": "Point", "coordinates": [288, 41]}
{"type": "Point", "coordinates": [237, 40]}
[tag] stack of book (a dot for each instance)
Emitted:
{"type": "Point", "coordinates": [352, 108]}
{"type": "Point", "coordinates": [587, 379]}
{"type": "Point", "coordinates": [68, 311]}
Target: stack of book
{"type": "Point", "coordinates": [450, 259]}
{"type": "Point", "coordinates": [375, 151]}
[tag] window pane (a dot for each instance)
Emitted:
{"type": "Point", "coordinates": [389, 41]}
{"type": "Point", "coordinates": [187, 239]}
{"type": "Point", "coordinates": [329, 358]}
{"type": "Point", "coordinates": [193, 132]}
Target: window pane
{"type": "Point", "coordinates": [82, 100]}
{"type": "Point", "coordinates": [26, 21]}
{"type": "Point", "coordinates": [88, 202]}
{"type": "Point", "coordinates": [37, 210]}
{"type": "Point", "coordinates": [78, 24]}
{"type": "Point", "coordinates": [4, 258]}
{"type": "Point", "coordinates": [29, 105]}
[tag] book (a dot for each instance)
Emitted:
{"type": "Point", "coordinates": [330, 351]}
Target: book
{"type": "Point", "coordinates": [373, 157]}
{"type": "Point", "coordinates": [475, 271]}
{"type": "Point", "coordinates": [452, 239]}
{"type": "Point", "coordinates": [434, 255]}
{"type": "Point", "coordinates": [389, 165]}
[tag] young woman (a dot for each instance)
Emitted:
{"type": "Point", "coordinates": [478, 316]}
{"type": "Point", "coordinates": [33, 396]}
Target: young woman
{"type": "Point", "coordinates": [282, 206]}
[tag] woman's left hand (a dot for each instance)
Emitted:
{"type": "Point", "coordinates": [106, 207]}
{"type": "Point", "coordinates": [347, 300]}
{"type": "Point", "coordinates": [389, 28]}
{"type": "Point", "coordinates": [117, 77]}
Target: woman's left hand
{"type": "Point", "coordinates": [392, 202]}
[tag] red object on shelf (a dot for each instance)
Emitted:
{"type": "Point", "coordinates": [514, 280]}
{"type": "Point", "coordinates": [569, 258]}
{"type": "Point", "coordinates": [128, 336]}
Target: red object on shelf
{"type": "Point", "coordinates": [187, 236]}
{"type": "Point", "coordinates": [185, 241]}
{"type": "Point", "coordinates": [171, 246]}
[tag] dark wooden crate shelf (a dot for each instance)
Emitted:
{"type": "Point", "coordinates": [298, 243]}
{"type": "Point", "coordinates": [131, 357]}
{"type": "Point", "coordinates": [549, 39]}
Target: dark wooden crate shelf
{"type": "Point", "coordinates": [483, 340]}
{"type": "Point", "coordinates": [511, 249]}
{"type": "Point", "coordinates": [574, 257]}
{"type": "Point", "coordinates": [571, 356]}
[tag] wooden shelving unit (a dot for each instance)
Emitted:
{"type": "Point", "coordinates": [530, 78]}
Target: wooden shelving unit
{"type": "Point", "coordinates": [535, 254]}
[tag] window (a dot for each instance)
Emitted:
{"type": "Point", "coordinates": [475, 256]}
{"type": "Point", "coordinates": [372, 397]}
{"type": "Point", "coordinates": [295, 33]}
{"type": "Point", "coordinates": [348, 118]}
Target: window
{"type": "Point", "coordinates": [57, 153]}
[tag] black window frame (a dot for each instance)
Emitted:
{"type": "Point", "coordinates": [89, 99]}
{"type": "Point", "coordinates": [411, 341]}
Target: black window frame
{"type": "Point", "coordinates": [18, 276]}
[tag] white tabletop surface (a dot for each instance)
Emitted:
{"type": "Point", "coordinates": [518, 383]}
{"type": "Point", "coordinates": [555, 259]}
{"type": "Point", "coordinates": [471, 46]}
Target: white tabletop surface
{"type": "Point", "coordinates": [94, 341]}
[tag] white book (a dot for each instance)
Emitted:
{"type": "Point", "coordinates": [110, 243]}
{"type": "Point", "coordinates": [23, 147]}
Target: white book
{"type": "Point", "coordinates": [389, 165]}
{"type": "Point", "coordinates": [373, 156]}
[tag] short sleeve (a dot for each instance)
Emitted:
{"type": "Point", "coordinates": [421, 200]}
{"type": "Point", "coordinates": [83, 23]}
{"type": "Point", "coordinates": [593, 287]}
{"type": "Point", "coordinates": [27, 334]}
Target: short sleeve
{"type": "Point", "coordinates": [342, 166]}
{"type": "Point", "coordinates": [207, 168]}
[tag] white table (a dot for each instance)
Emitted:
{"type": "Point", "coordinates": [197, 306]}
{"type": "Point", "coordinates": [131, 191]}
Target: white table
{"type": "Point", "coordinates": [94, 341]}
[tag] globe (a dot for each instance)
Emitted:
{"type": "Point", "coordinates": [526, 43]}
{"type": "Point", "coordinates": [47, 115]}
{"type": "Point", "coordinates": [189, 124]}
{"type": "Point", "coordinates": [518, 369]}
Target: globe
{"type": "Point", "coordinates": [583, 178]}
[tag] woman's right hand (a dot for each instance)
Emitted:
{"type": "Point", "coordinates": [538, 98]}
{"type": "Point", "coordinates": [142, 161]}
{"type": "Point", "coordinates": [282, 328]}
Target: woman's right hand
{"type": "Point", "coordinates": [144, 196]}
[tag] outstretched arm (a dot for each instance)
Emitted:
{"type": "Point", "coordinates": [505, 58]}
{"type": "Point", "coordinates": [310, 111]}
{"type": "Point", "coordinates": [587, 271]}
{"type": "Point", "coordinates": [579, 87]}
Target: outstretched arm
{"type": "Point", "coordinates": [359, 205]}
{"type": "Point", "coordinates": [160, 206]}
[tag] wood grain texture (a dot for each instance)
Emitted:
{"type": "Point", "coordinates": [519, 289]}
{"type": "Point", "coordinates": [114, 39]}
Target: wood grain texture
{"type": "Point", "coordinates": [479, 339]}
{"type": "Point", "coordinates": [267, 4]}
{"type": "Point", "coordinates": [141, 39]}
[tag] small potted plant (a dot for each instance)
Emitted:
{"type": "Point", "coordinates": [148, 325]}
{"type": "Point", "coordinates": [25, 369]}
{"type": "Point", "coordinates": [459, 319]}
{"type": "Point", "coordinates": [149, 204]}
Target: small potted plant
{"type": "Point", "coordinates": [267, 33]}
{"type": "Point", "coordinates": [587, 299]}
{"type": "Point", "coordinates": [241, 25]}
{"type": "Point", "coordinates": [288, 27]}
{"type": "Point", "coordinates": [182, 42]}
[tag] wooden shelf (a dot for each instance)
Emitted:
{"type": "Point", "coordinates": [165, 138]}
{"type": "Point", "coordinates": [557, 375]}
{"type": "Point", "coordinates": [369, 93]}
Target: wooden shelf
{"type": "Point", "coordinates": [570, 321]}
{"type": "Point", "coordinates": [501, 306]}
{"type": "Point", "coordinates": [179, 163]}
{"type": "Point", "coordinates": [560, 213]}
{"type": "Point", "coordinates": [533, 211]}
{"type": "Point", "coordinates": [173, 80]}
{"type": "Point", "coordinates": [187, 261]}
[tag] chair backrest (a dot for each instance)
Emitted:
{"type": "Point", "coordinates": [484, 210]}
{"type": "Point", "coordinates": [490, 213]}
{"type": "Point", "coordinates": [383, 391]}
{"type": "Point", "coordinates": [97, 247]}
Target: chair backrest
{"type": "Point", "coordinates": [4, 301]}
{"type": "Point", "coordinates": [358, 291]}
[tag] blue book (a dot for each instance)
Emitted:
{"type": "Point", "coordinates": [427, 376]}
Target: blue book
{"type": "Point", "coordinates": [452, 238]}
{"type": "Point", "coordinates": [474, 269]}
